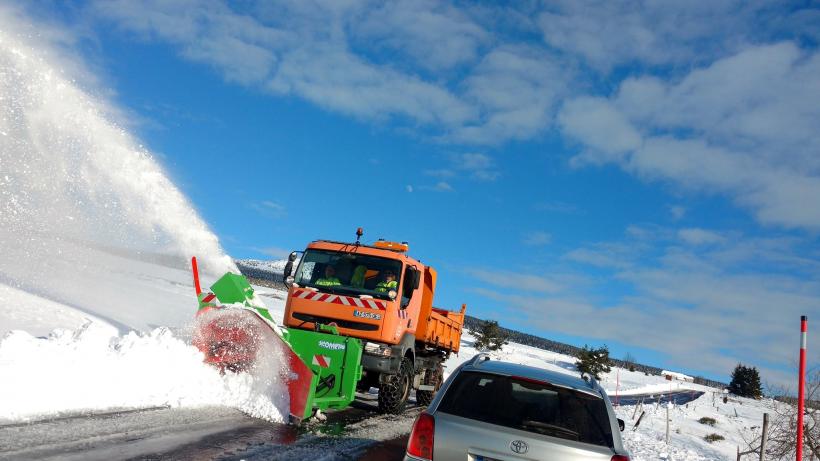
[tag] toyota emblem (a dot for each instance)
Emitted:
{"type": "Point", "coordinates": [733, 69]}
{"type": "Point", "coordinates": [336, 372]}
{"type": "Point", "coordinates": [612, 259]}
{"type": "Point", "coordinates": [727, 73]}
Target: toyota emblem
{"type": "Point", "coordinates": [519, 446]}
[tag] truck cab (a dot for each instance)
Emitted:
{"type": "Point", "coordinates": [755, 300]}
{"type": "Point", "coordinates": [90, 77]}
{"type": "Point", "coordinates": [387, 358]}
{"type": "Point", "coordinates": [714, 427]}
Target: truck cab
{"type": "Point", "coordinates": [379, 294]}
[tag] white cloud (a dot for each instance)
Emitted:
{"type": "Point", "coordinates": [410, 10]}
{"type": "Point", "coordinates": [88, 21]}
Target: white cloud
{"type": "Point", "coordinates": [441, 186]}
{"type": "Point", "coordinates": [744, 126]}
{"type": "Point", "coordinates": [343, 57]}
{"type": "Point", "coordinates": [516, 89]}
{"type": "Point", "coordinates": [474, 165]}
{"type": "Point", "coordinates": [363, 89]}
{"type": "Point", "coordinates": [518, 281]}
{"type": "Point", "coordinates": [434, 35]}
{"type": "Point", "coordinates": [270, 209]}
{"type": "Point", "coordinates": [608, 34]}
{"type": "Point", "coordinates": [605, 130]}
{"type": "Point", "coordinates": [600, 256]}
{"type": "Point", "coordinates": [537, 238]}
{"type": "Point", "coordinates": [677, 212]}
{"type": "Point", "coordinates": [478, 166]}
{"type": "Point", "coordinates": [304, 56]}
{"type": "Point", "coordinates": [696, 236]}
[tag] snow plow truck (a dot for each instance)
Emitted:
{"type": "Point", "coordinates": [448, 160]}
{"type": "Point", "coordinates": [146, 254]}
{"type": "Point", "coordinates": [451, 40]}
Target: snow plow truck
{"type": "Point", "coordinates": [356, 316]}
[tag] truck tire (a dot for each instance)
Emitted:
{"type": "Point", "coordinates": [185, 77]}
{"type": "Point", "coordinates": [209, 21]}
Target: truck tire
{"type": "Point", "coordinates": [395, 389]}
{"type": "Point", "coordinates": [435, 378]}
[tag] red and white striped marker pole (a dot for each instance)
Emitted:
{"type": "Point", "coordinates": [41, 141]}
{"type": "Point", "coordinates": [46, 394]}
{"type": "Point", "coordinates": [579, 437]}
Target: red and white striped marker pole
{"type": "Point", "coordinates": [801, 383]}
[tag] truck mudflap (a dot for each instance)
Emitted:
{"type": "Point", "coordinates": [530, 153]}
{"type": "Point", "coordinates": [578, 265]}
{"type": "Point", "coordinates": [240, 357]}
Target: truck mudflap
{"type": "Point", "coordinates": [321, 368]}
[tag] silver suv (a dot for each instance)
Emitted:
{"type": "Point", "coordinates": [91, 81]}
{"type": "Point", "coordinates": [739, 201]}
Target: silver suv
{"type": "Point", "coordinates": [491, 411]}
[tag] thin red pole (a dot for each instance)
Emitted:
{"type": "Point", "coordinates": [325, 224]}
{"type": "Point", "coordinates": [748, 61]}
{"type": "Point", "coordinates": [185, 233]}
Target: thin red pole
{"type": "Point", "coordinates": [801, 383]}
{"type": "Point", "coordinates": [196, 276]}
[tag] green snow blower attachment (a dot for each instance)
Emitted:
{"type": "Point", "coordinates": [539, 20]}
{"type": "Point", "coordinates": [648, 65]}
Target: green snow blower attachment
{"type": "Point", "coordinates": [237, 333]}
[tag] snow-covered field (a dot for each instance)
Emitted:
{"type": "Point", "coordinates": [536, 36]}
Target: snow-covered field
{"type": "Point", "coordinates": [63, 359]}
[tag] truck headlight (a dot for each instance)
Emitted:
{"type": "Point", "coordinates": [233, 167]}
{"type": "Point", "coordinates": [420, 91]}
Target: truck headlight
{"type": "Point", "coordinates": [377, 349]}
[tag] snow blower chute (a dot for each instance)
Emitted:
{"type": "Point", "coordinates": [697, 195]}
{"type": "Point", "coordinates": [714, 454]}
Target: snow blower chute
{"type": "Point", "coordinates": [237, 333]}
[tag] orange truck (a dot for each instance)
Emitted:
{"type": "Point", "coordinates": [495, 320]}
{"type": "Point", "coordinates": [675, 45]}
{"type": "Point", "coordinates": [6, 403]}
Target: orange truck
{"type": "Point", "coordinates": [382, 296]}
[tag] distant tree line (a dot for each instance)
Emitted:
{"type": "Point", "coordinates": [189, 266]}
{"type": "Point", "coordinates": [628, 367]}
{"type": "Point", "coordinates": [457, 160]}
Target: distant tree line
{"type": "Point", "coordinates": [473, 324]}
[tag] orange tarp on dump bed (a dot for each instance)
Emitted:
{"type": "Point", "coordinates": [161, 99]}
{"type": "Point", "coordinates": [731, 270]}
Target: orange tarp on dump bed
{"type": "Point", "coordinates": [438, 328]}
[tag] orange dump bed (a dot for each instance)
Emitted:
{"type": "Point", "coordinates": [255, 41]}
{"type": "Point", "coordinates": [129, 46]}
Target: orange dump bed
{"type": "Point", "coordinates": [438, 328]}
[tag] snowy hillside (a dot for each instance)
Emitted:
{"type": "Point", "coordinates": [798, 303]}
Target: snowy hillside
{"type": "Point", "coordinates": [272, 267]}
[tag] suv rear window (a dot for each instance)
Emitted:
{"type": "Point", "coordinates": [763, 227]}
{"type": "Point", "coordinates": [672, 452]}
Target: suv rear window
{"type": "Point", "coordinates": [529, 405]}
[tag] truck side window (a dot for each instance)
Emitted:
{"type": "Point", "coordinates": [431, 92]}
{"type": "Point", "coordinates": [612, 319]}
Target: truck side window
{"type": "Point", "coordinates": [407, 286]}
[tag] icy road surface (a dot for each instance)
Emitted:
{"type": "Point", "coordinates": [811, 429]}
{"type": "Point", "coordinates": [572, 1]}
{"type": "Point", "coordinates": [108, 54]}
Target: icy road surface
{"type": "Point", "coordinates": [202, 433]}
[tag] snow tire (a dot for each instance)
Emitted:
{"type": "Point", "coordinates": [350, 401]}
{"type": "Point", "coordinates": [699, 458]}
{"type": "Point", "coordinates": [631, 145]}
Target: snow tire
{"type": "Point", "coordinates": [435, 378]}
{"type": "Point", "coordinates": [395, 389]}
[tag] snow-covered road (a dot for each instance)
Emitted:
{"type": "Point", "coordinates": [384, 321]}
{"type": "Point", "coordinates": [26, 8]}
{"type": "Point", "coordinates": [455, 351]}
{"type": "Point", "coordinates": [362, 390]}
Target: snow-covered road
{"type": "Point", "coordinates": [201, 433]}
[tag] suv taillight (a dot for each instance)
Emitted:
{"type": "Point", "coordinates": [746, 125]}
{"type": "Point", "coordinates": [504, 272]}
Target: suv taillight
{"type": "Point", "coordinates": [420, 444]}
{"type": "Point", "coordinates": [619, 458]}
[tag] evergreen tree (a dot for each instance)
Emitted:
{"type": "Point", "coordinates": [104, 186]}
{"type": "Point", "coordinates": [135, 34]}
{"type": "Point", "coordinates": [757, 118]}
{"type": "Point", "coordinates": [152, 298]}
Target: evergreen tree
{"type": "Point", "coordinates": [593, 362]}
{"type": "Point", "coordinates": [746, 382]}
{"type": "Point", "coordinates": [489, 336]}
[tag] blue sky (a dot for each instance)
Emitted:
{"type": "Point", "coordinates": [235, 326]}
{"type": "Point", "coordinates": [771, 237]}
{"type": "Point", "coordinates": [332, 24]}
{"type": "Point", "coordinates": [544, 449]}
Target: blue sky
{"type": "Point", "coordinates": [640, 174]}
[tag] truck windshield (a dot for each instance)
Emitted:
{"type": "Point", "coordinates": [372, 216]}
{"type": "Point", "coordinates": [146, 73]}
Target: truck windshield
{"type": "Point", "coordinates": [348, 273]}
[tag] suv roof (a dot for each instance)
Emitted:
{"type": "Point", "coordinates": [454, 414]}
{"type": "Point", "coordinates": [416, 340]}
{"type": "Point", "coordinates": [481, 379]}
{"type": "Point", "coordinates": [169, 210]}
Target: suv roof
{"type": "Point", "coordinates": [483, 363]}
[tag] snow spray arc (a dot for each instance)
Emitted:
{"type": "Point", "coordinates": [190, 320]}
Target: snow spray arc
{"type": "Point", "coordinates": [72, 179]}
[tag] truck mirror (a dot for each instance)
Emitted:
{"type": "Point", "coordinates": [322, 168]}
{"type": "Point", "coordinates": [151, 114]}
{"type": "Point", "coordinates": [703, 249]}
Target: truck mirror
{"type": "Point", "coordinates": [621, 424]}
{"type": "Point", "coordinates": [289, 266]}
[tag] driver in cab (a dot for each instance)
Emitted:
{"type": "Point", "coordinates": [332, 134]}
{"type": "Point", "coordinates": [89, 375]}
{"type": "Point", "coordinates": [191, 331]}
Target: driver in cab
{"type": "Point", "coordinates": [389, 282]}
{"type": "Point", "coordinates": [329, 280]}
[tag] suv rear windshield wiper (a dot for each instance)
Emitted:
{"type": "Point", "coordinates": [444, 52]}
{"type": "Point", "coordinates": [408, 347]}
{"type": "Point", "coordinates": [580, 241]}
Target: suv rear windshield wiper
{"type": "Point", "coordinates": [550, 429]}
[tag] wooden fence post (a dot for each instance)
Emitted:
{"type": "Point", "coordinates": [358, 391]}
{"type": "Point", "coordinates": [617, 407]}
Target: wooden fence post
{"type": "Point", "coordinates": [639, 421]}
{"type": "Point", "coordinates": [763, 437]}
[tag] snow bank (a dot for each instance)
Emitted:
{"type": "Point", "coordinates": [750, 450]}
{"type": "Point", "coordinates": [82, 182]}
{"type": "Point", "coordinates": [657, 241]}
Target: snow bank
{"type": "Point", "coordinates": [93, 368]}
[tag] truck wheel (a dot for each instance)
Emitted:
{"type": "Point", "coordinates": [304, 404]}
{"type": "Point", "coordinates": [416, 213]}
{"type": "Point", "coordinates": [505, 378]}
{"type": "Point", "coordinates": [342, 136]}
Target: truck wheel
{"type": "Point", "coordinates": [394, 389]}
{"type": "Point", "coordinates": [435, 378]}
